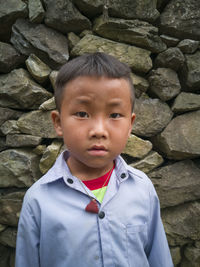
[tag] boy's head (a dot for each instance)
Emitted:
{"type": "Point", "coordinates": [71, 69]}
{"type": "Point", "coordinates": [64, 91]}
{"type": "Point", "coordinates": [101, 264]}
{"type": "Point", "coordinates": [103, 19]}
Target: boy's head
{"type": "Point", "coordinates": [93, 65]}
{"type": "Point", "coordinates": [94, 97]}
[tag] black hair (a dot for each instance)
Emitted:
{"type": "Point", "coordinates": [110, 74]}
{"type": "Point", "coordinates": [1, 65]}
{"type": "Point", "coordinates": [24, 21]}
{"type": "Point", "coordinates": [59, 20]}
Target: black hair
{"type": "Point", "coordinates": [96, 64]}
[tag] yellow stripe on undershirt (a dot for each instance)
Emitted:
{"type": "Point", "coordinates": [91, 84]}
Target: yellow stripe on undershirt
{"type": "Point", "coordinates": [99, 193]}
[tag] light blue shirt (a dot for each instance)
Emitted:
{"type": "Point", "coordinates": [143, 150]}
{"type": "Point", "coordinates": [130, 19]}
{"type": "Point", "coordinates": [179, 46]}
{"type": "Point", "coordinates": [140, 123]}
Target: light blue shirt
{"type": "Point", "coordinates": [55, 230]}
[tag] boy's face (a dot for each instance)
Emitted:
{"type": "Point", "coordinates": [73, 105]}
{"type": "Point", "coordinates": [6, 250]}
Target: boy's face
{"type": "Point", "coordinates": [95, 121]}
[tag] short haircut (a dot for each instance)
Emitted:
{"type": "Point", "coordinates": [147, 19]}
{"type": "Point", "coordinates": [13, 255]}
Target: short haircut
{"type": "Point", "coordinates": [95, 65]}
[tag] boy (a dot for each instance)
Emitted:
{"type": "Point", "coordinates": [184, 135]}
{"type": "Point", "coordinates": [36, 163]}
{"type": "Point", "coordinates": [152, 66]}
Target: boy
{"type": "Point", "coordinates": [91, 208]}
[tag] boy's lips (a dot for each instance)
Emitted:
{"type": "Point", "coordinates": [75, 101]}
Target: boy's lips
{"type": "Point", "coordinates": [97, 150]}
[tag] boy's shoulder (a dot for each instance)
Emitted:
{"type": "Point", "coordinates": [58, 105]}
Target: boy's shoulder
{"type": "Point", "coordinates": [60, 170]}
{"type": "Point", "coordinates": [138, 176]}
{"type": "Point", "coordinates": [136, 173]}
{"type": "Point", "coordinates": [55, 173]}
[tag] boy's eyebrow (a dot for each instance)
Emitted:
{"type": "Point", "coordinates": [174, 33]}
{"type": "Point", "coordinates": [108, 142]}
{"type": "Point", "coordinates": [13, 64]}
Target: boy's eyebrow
{"type": "Point", "coordinates": [83, 100]}
{"type": "Point", "coordinates": [115, 102]}
{"type": "Point", "coordinates": [112, 103]}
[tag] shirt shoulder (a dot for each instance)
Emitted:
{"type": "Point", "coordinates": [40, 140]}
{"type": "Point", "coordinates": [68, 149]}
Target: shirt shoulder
{"type": "Point", "coordinates": [137, 174]}
{"type": "Point", "coordinates": [58, 171]}
{"type": "Point", "coordinates": [34, 192]}
{"type": "Point", "coordinates": [140, 178]}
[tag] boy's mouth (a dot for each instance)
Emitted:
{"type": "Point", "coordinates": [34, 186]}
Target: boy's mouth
{"type": "Point", "coordinates": [97, 150]}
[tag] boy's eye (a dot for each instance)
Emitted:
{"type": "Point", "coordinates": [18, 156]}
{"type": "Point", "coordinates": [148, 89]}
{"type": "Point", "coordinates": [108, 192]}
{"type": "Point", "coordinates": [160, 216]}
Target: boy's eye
{"type": "Point", "coordinates": [82, 114]}
{"type": "Point", "coordinates": [115, 115]}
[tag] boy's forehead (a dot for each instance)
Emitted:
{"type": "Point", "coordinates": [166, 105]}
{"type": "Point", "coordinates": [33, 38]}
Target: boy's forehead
{"type": "Point", "coordinates": [92, 85]}
{"type": "Point", "coordinates": [101, 91]}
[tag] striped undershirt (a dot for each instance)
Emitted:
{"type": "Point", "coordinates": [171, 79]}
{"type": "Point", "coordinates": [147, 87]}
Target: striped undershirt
{"type": "Point", "coordinates": [95, 185]}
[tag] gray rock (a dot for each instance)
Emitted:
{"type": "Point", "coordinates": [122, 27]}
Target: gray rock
{"type": "Point", "coordinates": [191, 72]}
{"type": "Point", "coordinates": [168, 40]}
{"type": "Point", "coordinates": [50, 155]}
{"type": "Point", "coordinates": [137, 147]}
{"type": "Point", "coordinates": [48, 105]}
{"type": "Point", "coordinates": [73, 39]}
{"type": "Point", "coordinates": [36, 11]}
{"type": "Point", "coordinates": [181, 18]}
{"type": "Point", "coordinates": [2, 143]}
{"type": "Point", "coordinates": [38, 69]}
{"type": "Point", "coordinates": [137, 58]}
{"type": "Point", "coordinates": [182, 223]}
{"type": "Point", "coordinates": [8, 237]}
{"type": "Point", "coordinates": [4, 256]}
{"type": "Point", "coordinates": [19, 195]}
{"type": "Point", "coordinates": [161, 4]}
{"type": "Point", "coordinates": [9, 211]}
{"type": "Point", "coordinates": [65, 17]}
{"type": "Point", "coordinates": [18, 90]}
{"type": "Point", "coordinates": [192, 256]}
{"type": "Point", "coordinates": [188, 46]}
{"type": "Point", "coordinates": [152, 115]}
{"type": "Point", "coordinates": [12, 258]}
{"type": "Point", "coordinates": [18, 168]}
{"type": "Point", "coordinates": [185, 263]}
{"type": "Point", "coordinates": [10, 127]}
{"type": "Point", "coordinates": [143, 10]}
{"type": "Point", "coordinates": [186, 102]}
{"type": "Point", "coordinates": [133, 32]}
{"type": "Point", "coordinates": [8, 114]}
{"type": "Point", "coordinates": [2, 228]}
{"type": "Point", "coordinates": [90, 8]}
{"type": "Point", "coordinates": [140, 84]}
{"type": "Point", "coordinates": [171, 58]}
{"type": "Point", "coordinates": [37, 123]}
{"type": "Point", "coordinates": [180, 139]}
{"type": "Point", "coordinates": [177, 183]}
{"type": "Point", "coordinates": [9, 12]}
{"type": "Point", "coordinates": [197, 162]}
{"type": "Point", "coordinates": [85, 32]}
{"type": "Point", "coordinates": [22, 140]}
{"type": "Point", "coordinates": [164, 83]}
{"type": "Point", "coordinates": [47, 44]}
{"type": "Point", "coordinates": [149, 162]}
{"type": "Point", "coordinates": [9, 58]}
{"type": "Point", "coordinates": [176, 255]}
{"type": "Point", "coordinates": [39, 150]}
{"type": "Point", "coordinates": [52, 78]}
{"type": "Point", "coordinates": [197, 244]}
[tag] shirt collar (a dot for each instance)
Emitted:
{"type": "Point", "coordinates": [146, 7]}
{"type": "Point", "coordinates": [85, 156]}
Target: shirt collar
{"type": "Point", "coordinates": [61, 170]}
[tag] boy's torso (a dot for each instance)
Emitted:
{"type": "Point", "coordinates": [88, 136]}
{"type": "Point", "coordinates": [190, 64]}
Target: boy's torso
{"type": "Point", "coordinates": [115, 237]}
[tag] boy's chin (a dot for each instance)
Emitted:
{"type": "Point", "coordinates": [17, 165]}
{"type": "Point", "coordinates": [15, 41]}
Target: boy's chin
{"type": "Point", "coordinates": [98, 163]}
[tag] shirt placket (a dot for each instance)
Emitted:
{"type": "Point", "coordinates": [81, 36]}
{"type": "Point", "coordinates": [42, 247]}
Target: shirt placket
{"type": "Point", "coordinates": [105, 240]}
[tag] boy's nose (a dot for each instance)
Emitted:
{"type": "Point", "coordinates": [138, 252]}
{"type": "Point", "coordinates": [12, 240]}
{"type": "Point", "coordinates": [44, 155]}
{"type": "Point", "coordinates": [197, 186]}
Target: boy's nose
{"type": "Point", "coordinates": [98, 129]}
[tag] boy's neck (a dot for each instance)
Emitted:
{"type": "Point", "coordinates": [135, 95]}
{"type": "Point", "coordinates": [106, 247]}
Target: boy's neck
{"type": "Point", "coordinates": [86, 173]}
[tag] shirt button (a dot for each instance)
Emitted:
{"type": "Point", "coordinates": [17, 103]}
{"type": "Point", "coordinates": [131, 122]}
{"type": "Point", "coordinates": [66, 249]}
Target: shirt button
{"type": "Point", "coordinates": [123, 175]}
{"type": "Point", "coordinates": [96, 257]}
{"type": "Point", "coordinates": [101, 214]}
{"type": "Point", "coordinates": [70, 181]}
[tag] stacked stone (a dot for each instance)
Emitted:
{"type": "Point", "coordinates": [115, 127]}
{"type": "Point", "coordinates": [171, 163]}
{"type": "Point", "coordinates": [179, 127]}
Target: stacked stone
{"type": "Point", "coordinates": [159, 40]}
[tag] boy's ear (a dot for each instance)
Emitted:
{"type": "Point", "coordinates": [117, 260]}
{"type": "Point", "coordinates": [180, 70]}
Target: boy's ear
{"type": "Point", "coordinates": [132, 122]}
{"type": "Point", "coordinates": [55, 116]}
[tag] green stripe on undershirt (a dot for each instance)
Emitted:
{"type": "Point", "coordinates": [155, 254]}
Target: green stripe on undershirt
{"type": "Point", "coordinates": [99, 193]}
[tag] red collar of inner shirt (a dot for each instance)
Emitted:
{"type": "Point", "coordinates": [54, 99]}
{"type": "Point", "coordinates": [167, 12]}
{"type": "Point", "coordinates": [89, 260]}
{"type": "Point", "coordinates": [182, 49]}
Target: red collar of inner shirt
{"type": "Point", "coordinates": [98, 182]}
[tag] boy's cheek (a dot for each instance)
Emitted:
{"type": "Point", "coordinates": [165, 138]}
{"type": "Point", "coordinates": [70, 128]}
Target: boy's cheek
{"type": "Point", "coordinates": [59, 131]}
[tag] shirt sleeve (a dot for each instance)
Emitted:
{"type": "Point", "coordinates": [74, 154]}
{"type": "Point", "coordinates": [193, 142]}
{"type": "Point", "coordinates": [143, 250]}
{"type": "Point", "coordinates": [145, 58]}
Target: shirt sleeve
{"type": "Point", "coordinates": [158, 252]}
{"type": "Point", "coordinates": [27, 247]}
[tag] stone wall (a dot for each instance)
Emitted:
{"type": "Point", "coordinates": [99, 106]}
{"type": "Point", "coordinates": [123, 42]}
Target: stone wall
{"type": "Point", "coordinates": [160, 42]}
